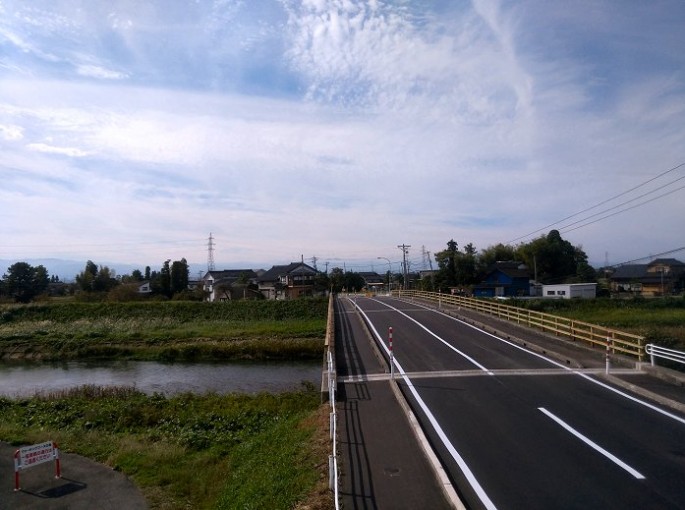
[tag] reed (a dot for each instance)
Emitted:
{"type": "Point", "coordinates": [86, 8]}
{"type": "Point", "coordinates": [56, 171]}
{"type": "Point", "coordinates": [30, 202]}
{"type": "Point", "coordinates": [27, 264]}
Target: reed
{"type": "Point", "coordinates": [164, 330]}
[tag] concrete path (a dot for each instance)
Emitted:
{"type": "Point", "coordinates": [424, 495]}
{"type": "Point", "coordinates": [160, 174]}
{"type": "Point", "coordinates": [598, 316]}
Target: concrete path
{"type": "Point", "coordinates": [85, 485]}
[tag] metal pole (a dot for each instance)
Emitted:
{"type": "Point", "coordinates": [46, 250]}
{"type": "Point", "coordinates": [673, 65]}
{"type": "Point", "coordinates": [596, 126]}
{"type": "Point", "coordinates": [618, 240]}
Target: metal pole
{"type": "Point", "coordinates": [607, 356]}
{"type": "Point", "coordinates": [392, 364]}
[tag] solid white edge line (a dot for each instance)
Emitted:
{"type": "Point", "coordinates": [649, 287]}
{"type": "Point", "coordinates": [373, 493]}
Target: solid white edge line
{"type": "Point", "coordinates": [478, 489]}
{"type": "Point", "coordinates": [592, 444]}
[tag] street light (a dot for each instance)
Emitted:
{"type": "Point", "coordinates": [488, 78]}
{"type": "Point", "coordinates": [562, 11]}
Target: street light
{"type": "Point", "coordinates": [389, 270]}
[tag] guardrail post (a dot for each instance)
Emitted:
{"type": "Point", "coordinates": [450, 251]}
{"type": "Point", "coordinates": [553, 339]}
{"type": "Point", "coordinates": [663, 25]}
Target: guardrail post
{"type": "Point", "coordinates": [607, 356]}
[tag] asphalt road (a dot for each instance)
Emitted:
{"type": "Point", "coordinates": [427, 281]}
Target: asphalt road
{"type": "Point", "coordinates": [382, 465]}
{"type": "Point", "coordinates": [516, 430]}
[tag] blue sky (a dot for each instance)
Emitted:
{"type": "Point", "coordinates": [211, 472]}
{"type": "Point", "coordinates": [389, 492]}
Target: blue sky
{"type": "Point", "coordinates": [337, 128]}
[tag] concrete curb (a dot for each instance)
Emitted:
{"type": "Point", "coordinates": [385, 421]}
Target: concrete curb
{"type": "Point", "coordinates": [638, 390]}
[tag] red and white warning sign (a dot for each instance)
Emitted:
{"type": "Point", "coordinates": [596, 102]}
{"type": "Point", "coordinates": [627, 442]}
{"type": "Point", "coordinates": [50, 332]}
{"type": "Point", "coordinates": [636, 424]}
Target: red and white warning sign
{"type": "Point", "coordinates": [29, 456]}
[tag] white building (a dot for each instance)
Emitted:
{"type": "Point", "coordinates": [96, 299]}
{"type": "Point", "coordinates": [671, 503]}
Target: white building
{"type": "Point", "coordinates": [570, 291]}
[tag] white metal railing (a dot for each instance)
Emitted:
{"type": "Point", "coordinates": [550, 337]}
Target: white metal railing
{"type": "Point", "coordinates": [333, 458]}
{"type": "Point", "coordinates": [331, 383]}
{"type": "Point", "coordinates": [655, 351]}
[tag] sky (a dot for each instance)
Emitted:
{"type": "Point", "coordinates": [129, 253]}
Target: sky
{"type": "Point", "coordinates": [339, 129]}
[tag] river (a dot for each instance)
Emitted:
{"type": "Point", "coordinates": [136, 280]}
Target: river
{"type": "Point", "coordinates": [26, 379]}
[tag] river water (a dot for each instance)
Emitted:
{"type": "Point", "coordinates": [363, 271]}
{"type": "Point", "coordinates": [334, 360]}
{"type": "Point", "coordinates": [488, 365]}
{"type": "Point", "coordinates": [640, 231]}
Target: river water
{"type": "Point", "coordinates": [26, 379]}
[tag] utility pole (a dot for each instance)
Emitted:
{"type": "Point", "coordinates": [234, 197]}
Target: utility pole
{"type": "Point", "coordinates": [405, 250]}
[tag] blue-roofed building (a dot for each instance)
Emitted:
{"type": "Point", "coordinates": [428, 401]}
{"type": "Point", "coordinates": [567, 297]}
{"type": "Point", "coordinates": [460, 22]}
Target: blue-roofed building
{"type": "Point", "coordinates": [504, 279]}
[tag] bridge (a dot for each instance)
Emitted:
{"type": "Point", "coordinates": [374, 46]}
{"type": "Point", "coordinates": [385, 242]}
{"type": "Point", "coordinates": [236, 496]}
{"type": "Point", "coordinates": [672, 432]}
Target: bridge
{"type": "Point", "coordinates": [465, 411]}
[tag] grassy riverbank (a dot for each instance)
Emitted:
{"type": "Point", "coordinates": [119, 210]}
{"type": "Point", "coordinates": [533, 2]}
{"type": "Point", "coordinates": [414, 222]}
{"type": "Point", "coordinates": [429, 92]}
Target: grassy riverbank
{"type": "Point", "coordinates": [164, 330]}
{"type": "Point", "coordinates": [189, 451]}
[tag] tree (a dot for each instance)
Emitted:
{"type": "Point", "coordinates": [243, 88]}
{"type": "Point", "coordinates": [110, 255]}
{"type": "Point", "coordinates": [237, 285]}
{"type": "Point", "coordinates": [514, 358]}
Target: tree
{"type": "Point", "coordinates": [94, 279]}
{"type": "Point", "coordinates": [555, 260]}
{"type": "Point", "coordinates": [354, 282]}
{"type": "Point", "coordinates": [465, 265]}
{"type": "Point", "coordinates": [492, 254]}
{"type": "Point", "coordinates": [24, 282]}
{"type": "Point", "coordinates": [165, 278]}
{"type": "Point", "coordinates": [446, 275]}
{"type": "Point", "coordinates": [179, 276]}
{"type": "Point", "coordinates": [337, 279]}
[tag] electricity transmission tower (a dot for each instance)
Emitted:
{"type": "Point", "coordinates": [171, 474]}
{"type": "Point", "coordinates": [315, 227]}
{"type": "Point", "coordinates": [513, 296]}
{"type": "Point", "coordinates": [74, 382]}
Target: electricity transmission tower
{"type": "Point", "coordinates": [210, 253]}
{"type": "Point", "coordinates": [405, 251]}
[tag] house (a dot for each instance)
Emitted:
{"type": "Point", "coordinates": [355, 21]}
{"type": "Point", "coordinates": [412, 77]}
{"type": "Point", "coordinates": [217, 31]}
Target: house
{"type": "Point", "coordinates": [291, 281]}
{"type": "Point", "coordinates": [504, 279]}
{"type": "Point", "coordinates": [372, 280]}
{"type": "Point", "coordinates": [660, 277]}
{"type": "Point", "coordinates": [144, 287]}
{"type": "Point", "coordinates": [227, 284]}
{"type": "Point", "coordinates": [570, 291]}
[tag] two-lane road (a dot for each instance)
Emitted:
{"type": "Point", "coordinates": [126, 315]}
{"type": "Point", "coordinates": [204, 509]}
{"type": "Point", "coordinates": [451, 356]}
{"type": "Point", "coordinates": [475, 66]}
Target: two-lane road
{"type": "Point", "coordinates": [517, 430]}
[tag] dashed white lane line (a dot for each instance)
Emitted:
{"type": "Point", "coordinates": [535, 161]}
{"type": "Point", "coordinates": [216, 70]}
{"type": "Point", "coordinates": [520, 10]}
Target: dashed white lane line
{"type": "Point", "coordinates": [592, 444]}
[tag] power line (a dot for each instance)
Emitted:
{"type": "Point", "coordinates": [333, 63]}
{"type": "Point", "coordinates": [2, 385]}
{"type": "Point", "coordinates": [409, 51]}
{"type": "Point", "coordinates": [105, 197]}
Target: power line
{"type": "Point", "coordinates": [669, 252]}
{"type": "Point", "coordinates": [607, 201]}
{"type": "Point", "coordinates": [565, 229]}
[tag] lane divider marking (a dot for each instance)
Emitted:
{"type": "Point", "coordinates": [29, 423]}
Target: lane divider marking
{"type": "Point", "coordinates": [592, 444]}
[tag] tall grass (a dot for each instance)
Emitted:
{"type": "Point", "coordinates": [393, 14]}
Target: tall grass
{"type": "Point", "coordinates": [165, 330]}
{"type": "Point", "coordinates": [186, 451]}
{"type": "Point", "coordinates": [661, 321]}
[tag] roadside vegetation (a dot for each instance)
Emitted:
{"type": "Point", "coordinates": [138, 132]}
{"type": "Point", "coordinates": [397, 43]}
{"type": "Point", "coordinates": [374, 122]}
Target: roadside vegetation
{"type": "Point", "coordinates": [660, 320]}
{"type": "Point", "coordinates": [265, 451]}
{"type": "Point", "coordinates": [164, 330]}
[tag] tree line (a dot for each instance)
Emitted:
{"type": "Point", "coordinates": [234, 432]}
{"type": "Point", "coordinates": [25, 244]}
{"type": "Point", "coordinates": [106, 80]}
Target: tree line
{"type": "Point", "coordinates": [23, 283]}
{"type": "Point", "coordinates": [549, 258]}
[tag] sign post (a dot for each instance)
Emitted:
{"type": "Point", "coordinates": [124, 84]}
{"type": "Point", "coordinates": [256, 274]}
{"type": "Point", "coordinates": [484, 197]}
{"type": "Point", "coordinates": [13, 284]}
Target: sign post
{"type": "Point", "coordinates": [29, 456]}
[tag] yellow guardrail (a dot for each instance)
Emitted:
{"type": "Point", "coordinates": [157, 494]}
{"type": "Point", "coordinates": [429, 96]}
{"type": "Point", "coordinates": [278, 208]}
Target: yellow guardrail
{"type": "Point", "coordinates": [619, 341]}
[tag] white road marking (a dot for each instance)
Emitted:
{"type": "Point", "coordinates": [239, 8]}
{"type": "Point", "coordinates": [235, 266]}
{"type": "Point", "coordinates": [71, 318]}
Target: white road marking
{"type": "Point", "coordinates": [484, 498]}
{"type": "Point", "coordinates": [574, 371]}
{"type": "Point", "coordinates": [592, 444]}
{"type": "Point", "coordinates": [464, 355]}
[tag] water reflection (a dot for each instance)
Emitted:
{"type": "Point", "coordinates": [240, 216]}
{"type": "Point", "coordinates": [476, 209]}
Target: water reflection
{"type": "Point", "coordinates": [26, 379]}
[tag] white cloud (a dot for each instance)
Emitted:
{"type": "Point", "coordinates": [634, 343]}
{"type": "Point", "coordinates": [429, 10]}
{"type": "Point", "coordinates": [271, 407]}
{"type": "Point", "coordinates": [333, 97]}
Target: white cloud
{"type": "Point", "coordinates": [11, 132]}
{"type": "Point", "coordinates": [65, 151]}
{"type": "Point", "coordinates": [358, 125]}
{"type": "Point", "coordinates": [94, 71]}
